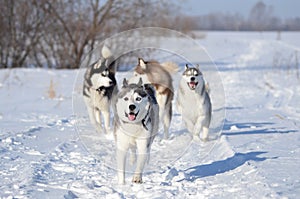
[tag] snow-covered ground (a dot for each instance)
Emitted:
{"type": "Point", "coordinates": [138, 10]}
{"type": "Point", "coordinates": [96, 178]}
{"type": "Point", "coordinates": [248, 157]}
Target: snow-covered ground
{"type": "Point", "coordinates": [49, 150]}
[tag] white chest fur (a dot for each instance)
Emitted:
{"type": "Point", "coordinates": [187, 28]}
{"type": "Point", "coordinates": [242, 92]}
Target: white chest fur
{"type": "Point", "coordinates": [191, 102]}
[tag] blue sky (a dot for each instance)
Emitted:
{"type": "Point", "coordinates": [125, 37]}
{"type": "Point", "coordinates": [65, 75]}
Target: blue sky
{"type": "Point", "coordinates": [281, 8]}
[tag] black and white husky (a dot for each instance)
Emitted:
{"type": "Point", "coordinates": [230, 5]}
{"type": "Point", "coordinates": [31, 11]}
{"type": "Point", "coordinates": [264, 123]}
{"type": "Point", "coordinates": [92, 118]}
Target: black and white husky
{"type": "Point", "coordinates": [194, 103]}
{"type": "Point", "coordinates": [98, 89]}
{"type": "Point", "coordinates": [136, 124]}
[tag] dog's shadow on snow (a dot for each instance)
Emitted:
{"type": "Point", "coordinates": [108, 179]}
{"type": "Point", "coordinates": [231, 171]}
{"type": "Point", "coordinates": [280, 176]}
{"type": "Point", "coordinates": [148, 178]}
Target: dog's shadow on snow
{"type": "Point", "coordinates": [223, 166]}
{"type": "Point", "coordinates": [253, 128]}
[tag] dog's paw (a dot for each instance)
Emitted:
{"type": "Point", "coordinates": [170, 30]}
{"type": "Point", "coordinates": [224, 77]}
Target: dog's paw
{"type": "Point", "coordinates": [166, 136]}
{"type": "Point", "coordinates": [137, 179]}
{"type": "Point", "coordinates": [121, 182]}
{"type": "Point", "coordinates": [108, 131]}
{"type": "Point", "coordinates": [98, 128]}
{"type": "Point", "coordinates": [110, 136]}
{"type": "Point", "coordinates": [196, 138]}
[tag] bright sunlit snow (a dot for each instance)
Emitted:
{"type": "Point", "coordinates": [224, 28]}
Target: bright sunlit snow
{"type": "Point", "coordinates": [48, 151]}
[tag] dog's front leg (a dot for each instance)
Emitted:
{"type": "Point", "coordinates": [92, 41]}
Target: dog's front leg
{"type": "Point", "coordinates": [91, 114]}
{"type": "Point", "coordinates": [121, 158]}
{"type": "Point", "coordinates": [97, 116]}
{"type": "Point", "coordinates": [142, 154]}
{"type": "Point", "coordinates": [93, 118]}
{"type": "Point", "coordinates": [189, 125]}
{"type": "Point", "coordinates": [198, 127]}
{"type": "Point", "coordinates": [106, 118]}
{"type": "Point", "coordinates": [167, 119]}
{"type": "Point", "coordinates": [205, 131]}
{"type": "Point", "coordinates": [163, 115]}
{"type": "Point", "coordinates": [122, 148]}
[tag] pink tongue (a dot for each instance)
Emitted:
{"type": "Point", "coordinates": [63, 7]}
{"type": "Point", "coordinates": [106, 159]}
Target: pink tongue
{"type": "Point", "coordinates": [192, 84]}
{"type": "Point", "coordinates": [131, 117]}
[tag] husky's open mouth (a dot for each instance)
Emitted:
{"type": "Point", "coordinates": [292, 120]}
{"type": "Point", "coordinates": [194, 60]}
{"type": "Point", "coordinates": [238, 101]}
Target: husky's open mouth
{"type": "Point", "coordinates": [192, 85]}
{"type": "Point", "coordinates": [131, 116]}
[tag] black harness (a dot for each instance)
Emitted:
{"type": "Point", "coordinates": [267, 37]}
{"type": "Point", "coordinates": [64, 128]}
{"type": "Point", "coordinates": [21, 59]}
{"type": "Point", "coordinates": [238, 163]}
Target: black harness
{"type": "Point", "coordinates": [146, 120]}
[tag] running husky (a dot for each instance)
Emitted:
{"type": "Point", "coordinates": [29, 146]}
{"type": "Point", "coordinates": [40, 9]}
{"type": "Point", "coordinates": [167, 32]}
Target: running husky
{"type": "Point", "coordinates": [136, 124]}
{"type": "Point", "coordinates": [194, 103]}
{"type": "Point", "coordinates": [98, 89]}
{"type": "Point", "coordinates": [159, 75]}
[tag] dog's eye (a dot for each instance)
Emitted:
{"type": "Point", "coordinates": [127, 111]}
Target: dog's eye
{"type": "Point", "coordinates": [126, 98]}
{"type": "Point", "coordinates": [138, 99]}
{"type": "Point", "coordinates": [196, 74]}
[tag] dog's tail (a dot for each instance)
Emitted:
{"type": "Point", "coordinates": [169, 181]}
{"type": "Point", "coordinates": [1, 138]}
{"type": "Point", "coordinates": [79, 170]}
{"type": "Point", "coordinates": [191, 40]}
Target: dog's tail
{"type": "Point", "coordinates": [106, 53]}
{"type": "Point", "coordinates": [171, 67]}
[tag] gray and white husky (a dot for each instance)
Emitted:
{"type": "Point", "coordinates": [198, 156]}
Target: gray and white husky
{"type": "Point", "coordinates": [136, 124]}
{"type": "Point", "coordinates": [98, 89]}
{"type": "Point", "coordinates": [194, 102]}
{"type": "Point", "coordinates": [159, 75]}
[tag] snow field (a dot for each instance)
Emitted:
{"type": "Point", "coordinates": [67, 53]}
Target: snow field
{"type": "Point", "coordinates": [48, 150]}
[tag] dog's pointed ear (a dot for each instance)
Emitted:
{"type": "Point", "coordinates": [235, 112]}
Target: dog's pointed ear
{"type": "Point", "coordinates": [186, 67]}
{"type": "Point", "coordinates": [140, 83]}
{"type": "Point", "coordinates": [106, 53]}
{"type": "Point", "coordinates": [125, 83]}
{"type": "Point", "coordinates": [197, 66]}
{"type": "Point", "coordinates": [142, 63]}
{"type": "Point", "coordinates": [97, 64]}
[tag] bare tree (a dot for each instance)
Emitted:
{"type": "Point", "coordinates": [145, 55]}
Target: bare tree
{"type": "Point", "coordinates": [58, 34]}
{"type": "Point", "coordinates": [260, 16]}
{"type": "Point", "coordinates": [20, 26]}
{"type": "Point", "coordinates": [76, 27]}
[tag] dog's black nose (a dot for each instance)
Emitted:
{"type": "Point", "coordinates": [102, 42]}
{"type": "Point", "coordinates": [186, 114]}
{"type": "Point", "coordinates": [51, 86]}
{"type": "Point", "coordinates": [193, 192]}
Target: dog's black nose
{"type": "Point", "coordinates": [132, 107]}
{"type": "Point", "coordinates": [192, 79]}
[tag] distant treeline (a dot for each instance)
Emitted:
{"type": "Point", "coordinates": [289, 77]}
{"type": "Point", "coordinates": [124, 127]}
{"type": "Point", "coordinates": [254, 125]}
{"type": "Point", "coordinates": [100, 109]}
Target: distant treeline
{"type": "Point", "coordinates": [260, 18]}
{"type": "Point", "coordinates": [59, 34]}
